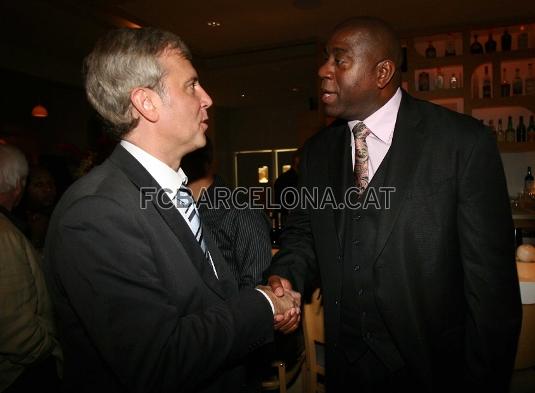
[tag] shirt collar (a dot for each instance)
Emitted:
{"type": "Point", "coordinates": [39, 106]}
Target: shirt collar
{"type": "Point", "coordinates": [165, 176]}
{"type": "Point", "coordinates": [382, 122]}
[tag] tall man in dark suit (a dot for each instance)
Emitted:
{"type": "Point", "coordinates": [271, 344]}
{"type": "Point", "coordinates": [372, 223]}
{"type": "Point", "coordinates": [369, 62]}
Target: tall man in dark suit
{"type": "Point", "coordinates": [418, 275]}
{"type": "Point", "coordinates": [144, 300]}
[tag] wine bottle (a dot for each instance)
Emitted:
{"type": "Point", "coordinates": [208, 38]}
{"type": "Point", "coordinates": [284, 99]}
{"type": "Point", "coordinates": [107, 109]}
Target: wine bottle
{"type": "Point", "coordinates": [530, 81]}
{"type": "Point", "coordinates": [531, 130]}
{"type": "Point", "coordinates": [439, 82]}
{"type": "Point", "coordinates": [517, 83]}
{"type": "Point", "coordinates": [528, 182]}
{"type": "Point", "coordinates": [430, 52]}
{"type": "Point", "coordinates": [510, 135]}
{"type": "Point", "coordinates": [505, 87]}
{"type": "Point", "coordinates": [521, 130]}
{"type": "Point", "coordinates": [500, 133]}
{"type": "Point", "coordinates": [476, 47]}
{"type": "Point", "coordinates": [506, 41]}
{"type": "Point", "coordinates": [423, 81]}
{"type": "Point", "coordinates": [453, 82]}
{"type": "Point", "coordinates": [490, 45]}
{"type": "Point", "coordinates": [487, 86]}
{"type": "Point", "coordinates": [522, 39]}
{"type": "Point", "coordinates": [450, 46]}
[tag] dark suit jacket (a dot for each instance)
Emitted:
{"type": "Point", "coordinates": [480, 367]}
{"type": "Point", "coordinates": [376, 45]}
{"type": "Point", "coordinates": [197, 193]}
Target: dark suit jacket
{"type": "Point", "coordinates": [445, 278]}
{"type": "Point", "coordinates": [139, 307]}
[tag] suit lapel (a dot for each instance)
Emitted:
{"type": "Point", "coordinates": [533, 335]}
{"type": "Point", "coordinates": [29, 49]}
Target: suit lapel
{"type": "Point", "coordinates": [405, 151]}
{"type": "Point", "coordinates": [139, 176]}
{"type": "Point", "coordinates": [341, 172]}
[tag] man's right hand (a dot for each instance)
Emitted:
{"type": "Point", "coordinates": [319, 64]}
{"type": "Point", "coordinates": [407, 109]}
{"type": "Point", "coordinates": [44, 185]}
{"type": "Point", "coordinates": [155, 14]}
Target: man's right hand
{"type": "Point", "coordinates": [286, 323]}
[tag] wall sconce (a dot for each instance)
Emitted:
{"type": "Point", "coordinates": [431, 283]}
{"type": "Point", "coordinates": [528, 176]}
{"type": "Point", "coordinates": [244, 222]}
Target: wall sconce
{"type": "Point", "coordinates": [39, 111]}
{"type": "Point", "coordinates": [263, 174]}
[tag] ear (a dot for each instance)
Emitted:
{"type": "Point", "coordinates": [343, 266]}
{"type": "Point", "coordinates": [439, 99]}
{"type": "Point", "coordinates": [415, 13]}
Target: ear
{"type": "Point", "coordinates": [385, 71]}
{"type": "Point", "coordinates": [145, 103]}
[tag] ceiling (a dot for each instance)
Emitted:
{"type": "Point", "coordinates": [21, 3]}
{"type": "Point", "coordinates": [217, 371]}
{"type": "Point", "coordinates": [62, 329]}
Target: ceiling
{"type": "Point", "coordinates": [260, 46]}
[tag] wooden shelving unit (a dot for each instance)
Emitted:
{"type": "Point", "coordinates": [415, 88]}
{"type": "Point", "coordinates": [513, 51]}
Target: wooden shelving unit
{"type": "Point", "coordinates": [467, 66]}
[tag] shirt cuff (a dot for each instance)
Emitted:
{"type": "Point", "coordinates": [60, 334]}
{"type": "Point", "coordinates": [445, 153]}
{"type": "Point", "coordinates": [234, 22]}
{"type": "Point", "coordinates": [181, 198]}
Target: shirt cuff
{"type": "Point", "coordinates": [268, 299]}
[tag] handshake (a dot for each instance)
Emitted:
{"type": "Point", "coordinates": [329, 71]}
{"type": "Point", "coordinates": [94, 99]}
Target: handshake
{"type": "Point", "coordinates": [286, 302]}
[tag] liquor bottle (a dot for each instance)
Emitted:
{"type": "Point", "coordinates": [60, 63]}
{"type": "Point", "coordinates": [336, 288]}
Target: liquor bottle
{"type": "Point", "coordinates": [431, 51]}
{"type": "Point", "coordinates": [423, 81]}
{"type": "Point", "coordinates": [490, 45]}
{"type": "Point", "coordinates": [493, 129]}
{"type": "Point", "coordinates": [475, 87]}
{"type": "Point", "coordinates": [450, 46]}
{"type": "Point", "coordinates": [521, 130]}
{"type": "Point", "coordinates": [500, 133]}
{"type": "Point", "coordinates": [531, 130]}
{"type": "Point", "coordinates": [530, 81]}
{"type": "Point", "coordinates": [517, 83]}
{"type": "Point", "coordinates": [487, 86]}
{"type": "Point", "coordinates": [506, 41]}
{"type": "Point", "coordinates": [528, 182]}
{"type": "Point", "coordinates": [522, 39]}
{"type": "Point", "coordinates": [453, 82]}
{"type": "Point", "coordinates": [476, 47]}
{"type": "Point", "coordinates": [510, 135]}
{"type": "Point", "coordinates": [505, 87]}
{"type": "Point", "coordinates": [439, 82]}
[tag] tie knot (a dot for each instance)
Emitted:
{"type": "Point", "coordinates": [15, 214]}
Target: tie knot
{"type": "Point", "coordinates": [360, 131]}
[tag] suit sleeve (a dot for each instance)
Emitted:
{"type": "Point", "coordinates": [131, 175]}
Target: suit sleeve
{"type": "Point", "coordinates": [491, 284]}
{"type": "Point", "coordinates": [151, 343]}
{"type": "Point", "coordinates": [296, 259]}
{"type": "Point", "coordinates": [251, 246]}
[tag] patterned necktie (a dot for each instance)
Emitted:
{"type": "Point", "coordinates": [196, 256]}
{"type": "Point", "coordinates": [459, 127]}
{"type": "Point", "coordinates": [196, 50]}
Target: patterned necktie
{"type": "Point", "coordinates": [186, 204]}
{"type": "Point", "coordinates": [360, 132]}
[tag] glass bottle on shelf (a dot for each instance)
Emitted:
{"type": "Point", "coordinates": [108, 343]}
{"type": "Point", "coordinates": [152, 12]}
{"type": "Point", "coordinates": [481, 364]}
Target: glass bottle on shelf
{"type": "Point", "coordinates": [423, 81]}
{"type": "Point", "coordinates": [431, 51]}
{"type": "Point", "coordinates": [510, 134]}
{"type": "Point", "coordinates": [493, 129]}
{"type": "Point", "coordinates": [450, 46]}
{"type": "Point", "coordinates": [505, 87]}
{"type": "Point", "coordinates": [528, 182]}
{"type": "Point", "coordinates": [506, 41]}
{"type": "Point", "coordinates": [490, 45]}
{"type": "Point", "coordinates": [487, 86]}
{"type": "Point", "coordinates": [531, 130]}
{"type": "Point", "coordinates": [453, 82]}
{"type": "Point", "coordinates": [530, 81]}
{"type": "Point", "coordinates": [521, 132]}
{"type": "Point", "coordinates": [476, 47]}
{"type": "Point", "coordinates": [517, 83]}
{"type": "Point", "coordinates": [439, 82]}
{"type": "Point", "coordinates": [475, 87]}
{"type": "Point", "coordinates": [522, 39]}
{"type": "Point", "coordinates": [500, 133]}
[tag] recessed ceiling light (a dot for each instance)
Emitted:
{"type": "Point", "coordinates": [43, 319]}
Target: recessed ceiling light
{"type": "Point", "coordinates": [242, 95]}
{"type": "Point", "coordinates": [213, 23]}
{"type": "Point", "coordinates": [295, 89]}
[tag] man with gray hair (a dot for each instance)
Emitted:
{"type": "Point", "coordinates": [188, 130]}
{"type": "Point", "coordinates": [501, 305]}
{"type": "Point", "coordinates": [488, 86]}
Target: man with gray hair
{"type": "Point", "coordinates": [145, 301]}
{"type": "Point", "coordinates": [27, 335]}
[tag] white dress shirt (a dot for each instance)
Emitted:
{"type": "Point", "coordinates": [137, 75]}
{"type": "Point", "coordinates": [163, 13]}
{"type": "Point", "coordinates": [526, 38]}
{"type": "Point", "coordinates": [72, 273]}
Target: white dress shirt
{"type": "Point", "coordinates": [381, 124]}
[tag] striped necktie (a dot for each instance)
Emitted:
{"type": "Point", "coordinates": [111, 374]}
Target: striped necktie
{"type": "Point", "coordinates": [360, 132]}
{"type": "Point", "coordinates": [188, 209]}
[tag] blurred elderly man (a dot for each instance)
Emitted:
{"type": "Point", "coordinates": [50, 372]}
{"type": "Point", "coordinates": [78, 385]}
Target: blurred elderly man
{"type": "Point", "coordinates": [27, 336]}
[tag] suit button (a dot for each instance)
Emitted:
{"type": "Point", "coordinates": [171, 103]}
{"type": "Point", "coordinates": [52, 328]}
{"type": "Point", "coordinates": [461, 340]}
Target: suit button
{"type": "Point", "coordinates": [356, 268]}
{"type": "Point", "coordinates": [360, 292]}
